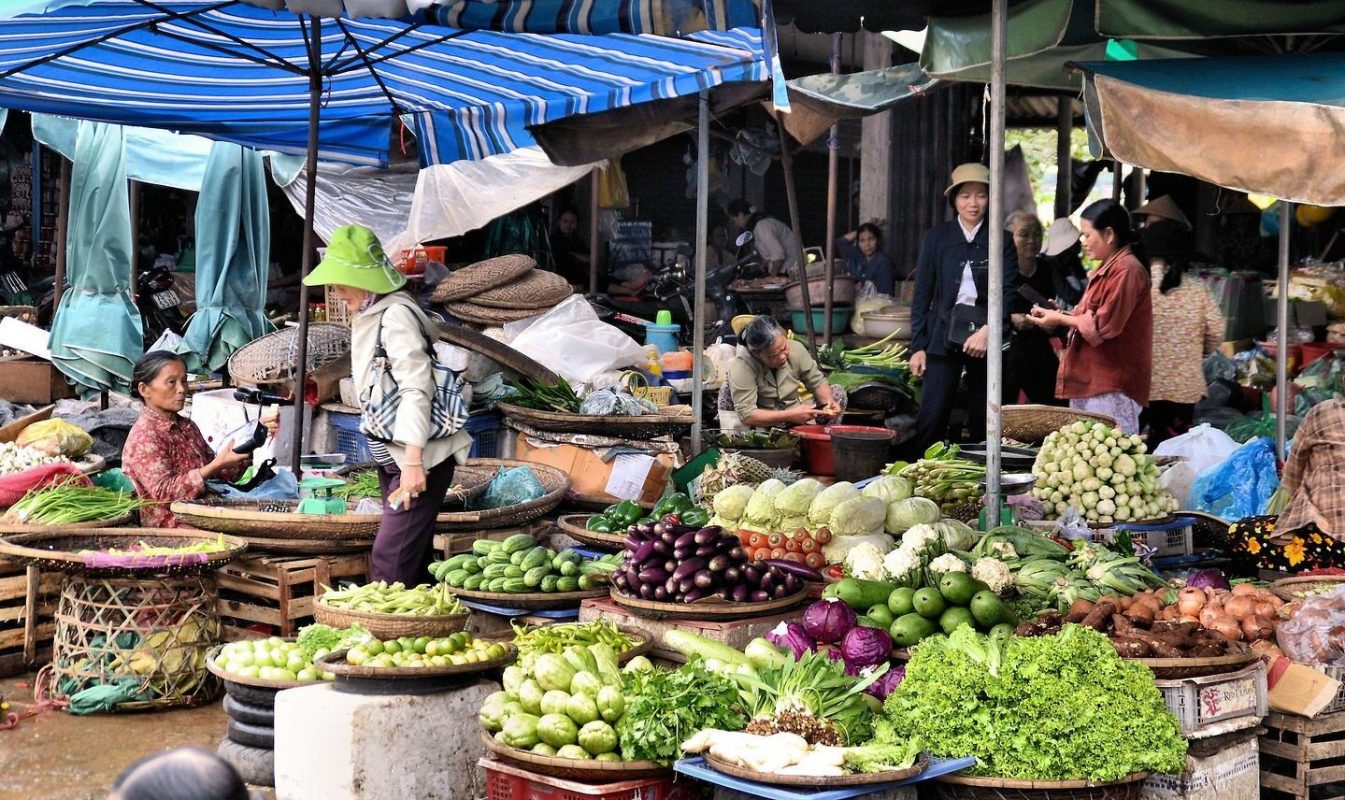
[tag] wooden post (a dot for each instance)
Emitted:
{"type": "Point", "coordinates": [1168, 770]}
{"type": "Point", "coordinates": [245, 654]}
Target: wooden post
{"type": "Point", "coordinates": [30, 615]}
{"type": "Point", "coordinates": [593, 234]}
{"type": "Point", "coordinates": [1064, 170]}
{"type": "Point", "coordinates": [62, 220]}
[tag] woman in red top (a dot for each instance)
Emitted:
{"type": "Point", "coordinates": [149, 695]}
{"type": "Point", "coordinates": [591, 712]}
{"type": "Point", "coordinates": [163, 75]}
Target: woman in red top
{"type": "Point", "coordinates": [165, 454]}
{"type": "Point", "coordinates": [1106, 367]}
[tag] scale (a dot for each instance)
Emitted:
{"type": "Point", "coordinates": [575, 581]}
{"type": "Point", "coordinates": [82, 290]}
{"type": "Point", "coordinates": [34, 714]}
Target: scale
{"type": "Point", "coordinates": [318, 497]}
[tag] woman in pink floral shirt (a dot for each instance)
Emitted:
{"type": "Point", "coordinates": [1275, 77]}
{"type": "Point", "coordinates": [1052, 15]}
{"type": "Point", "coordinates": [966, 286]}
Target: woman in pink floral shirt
{"type": "Point", "coordinates": [165, 454]}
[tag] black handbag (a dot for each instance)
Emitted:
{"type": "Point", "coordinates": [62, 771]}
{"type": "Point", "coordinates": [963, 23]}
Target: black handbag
{"type": "Point", "coordinates": [963, 321]}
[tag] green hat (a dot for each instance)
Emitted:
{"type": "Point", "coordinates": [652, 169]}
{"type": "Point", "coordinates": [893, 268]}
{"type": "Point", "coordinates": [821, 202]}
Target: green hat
{"type": "Point", "coordinates": [355, 258]}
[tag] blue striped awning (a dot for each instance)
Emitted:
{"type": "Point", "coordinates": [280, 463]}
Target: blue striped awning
{"type": "Point", "coordinates": [179, 64]}
{"type": "Point", "coordinates": [666, 17]}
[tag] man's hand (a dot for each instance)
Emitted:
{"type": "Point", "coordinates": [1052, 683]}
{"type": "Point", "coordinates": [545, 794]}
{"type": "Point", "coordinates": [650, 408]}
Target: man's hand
{"type": "Point", "coordinates": [918, 364]}
{"type": "Point", "coordinates": [977, 343]}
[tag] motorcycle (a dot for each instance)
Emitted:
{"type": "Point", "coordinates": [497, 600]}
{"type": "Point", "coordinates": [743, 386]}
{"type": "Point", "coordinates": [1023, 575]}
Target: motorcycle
{"type": "Point", "coordinates": [673, 289]}
{"type": "Point", "coordinates": [158, 303]}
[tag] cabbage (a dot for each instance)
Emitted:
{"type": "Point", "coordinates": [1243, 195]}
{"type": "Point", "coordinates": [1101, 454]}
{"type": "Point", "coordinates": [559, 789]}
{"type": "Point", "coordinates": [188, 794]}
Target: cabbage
{"type": "Point", "coordinates": [910, 512]}
{"type": "Point", "coordinates": [827, 621]}
{"type": "Point", "coordinates": [731, 502]}
{"type": "Point", "coordinates": [889, 489]}
{"type": "Point", "coordinates": [761, 508]}
{"type": "Point", "coordinates": [797, 498]}
{"type": "Point", "coordinates": [858, 516]}
{"type": "Point", "coordinates": [792, 637]}
{"type": "Point", "coordinates": [956, 535]}
{"type": "Point", "coordinates": [827, 500]}
{"type": "Point", "coordinates": [882, 687]}
{"type": "Point", "coordinates": [791, 524]}
{"type": "Point", "coordinates": [836, 550]}
{"type": "Point", "coordinates": [865, 647]}
{"type": "Point", "coordinates": [1206, 579]}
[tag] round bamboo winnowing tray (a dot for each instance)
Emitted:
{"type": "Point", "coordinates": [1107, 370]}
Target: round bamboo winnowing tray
{"type": "Point", "coordinates": [575, 768]}
{"type": "Point", "coordinates": [485, 315]}
{"type": "Point", "coordinates": [1033, 423]}
{"type": "Point", "coordinates": [535, 290]}
{"type": "Point", "coordinates": [554, 482]}
{"type": "Point", "coordinates": [818, 781]}
{"type": "Point", "coordinates": [481, 276]}
{"type": "Point", "coordinates": [60, 551]}
{"type": "Point", "coordinates": [573, 526]}
{"type": "Point", "coordinates": [272, 358]}
{"type": "Point", "coordinates": [274, 519]}
{"type": "Point", "coordinates": [637, 427]}
{"type": "Point", "coordinates": [710, 608]}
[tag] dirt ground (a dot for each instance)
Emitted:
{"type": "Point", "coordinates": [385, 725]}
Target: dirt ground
{"type": "Point", "coordinates": [58, 756]}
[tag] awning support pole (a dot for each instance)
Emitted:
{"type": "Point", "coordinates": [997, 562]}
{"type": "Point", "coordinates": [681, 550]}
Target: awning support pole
{"type": "Point", "coordinates": [994, 367]}
{"type": "Point", "coordinates": [1064, 188]}
{"type": "Point", "coordinates": [593, 234]}
{"type": "Point", "coordinates": [792, 197]}
{"type": "Point", "coordinates": [310, 192]}
{"type": "Point", "coordinates": [833, 167]}
{"type": "Point", "coordinates": [702, 245]}
{"type": "Point", "coordinates": [1282, 335]}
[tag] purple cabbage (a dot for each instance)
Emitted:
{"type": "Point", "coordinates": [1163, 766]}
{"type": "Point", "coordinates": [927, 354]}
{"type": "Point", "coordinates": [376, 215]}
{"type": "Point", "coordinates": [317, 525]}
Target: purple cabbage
{"type": "Point", "coordinates": [1206, 579]}
{"type": "Point", "coordinates": [827, 621]}
{"type": "Point", "coordinates": [889, 680]}
{"type": "Point", "coordinates": [866, 647]}
{"type": "Point", "coordinates": [792, 637]}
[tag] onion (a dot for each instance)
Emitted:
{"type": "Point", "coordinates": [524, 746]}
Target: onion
{"type": "Point", "coordinates": [1255, 628]}
{"type": "Point", "coordinates": [1264, 609]}
{"type": "Point", "coordinates": [1209, 614]}
{"type": "Point", "coordinates": [1240, 606]}
{"type": "Point", "coordinates": [1244, 588]}
{"type": "Point", "coordinates": [1190, 601]}
{"type": "Point", "coordinates": [1226, 627]}
{"type": "Point", "coordinates": [1188, 618]}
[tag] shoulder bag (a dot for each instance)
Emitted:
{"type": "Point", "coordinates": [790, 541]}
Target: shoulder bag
{"type": "Point", "coordinates": [379, 398]}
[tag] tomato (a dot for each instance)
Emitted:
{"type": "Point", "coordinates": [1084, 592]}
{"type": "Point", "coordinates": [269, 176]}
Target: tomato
{"type": "Point", "coordinates": [836, 571]}
{"type": "Point", "coordinates": [777, 552]}
{"type": "Point", "coordinates": [818, 561]}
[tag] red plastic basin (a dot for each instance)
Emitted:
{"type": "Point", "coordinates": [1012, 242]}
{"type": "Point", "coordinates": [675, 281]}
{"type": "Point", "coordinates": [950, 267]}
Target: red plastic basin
{"type": "Point", "coordinates": [815, 443]}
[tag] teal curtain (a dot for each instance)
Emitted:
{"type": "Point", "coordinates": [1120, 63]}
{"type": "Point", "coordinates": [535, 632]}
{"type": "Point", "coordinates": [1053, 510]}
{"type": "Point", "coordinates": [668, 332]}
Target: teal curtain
{"type": "Point", "coordinates": [96, 335]}
{"type": "Point", "coordinates": [233, 250]}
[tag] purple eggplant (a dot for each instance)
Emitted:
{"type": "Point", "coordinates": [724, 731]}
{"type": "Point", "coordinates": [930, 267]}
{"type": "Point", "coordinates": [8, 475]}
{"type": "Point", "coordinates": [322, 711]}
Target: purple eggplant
{"type": "Point", "coordinates": [759, 596]}
{"type": "Point", "coordinates": [706, 550]}
{"type": "Point", "coordinates": [707, 535]}
{"type": "Point", "coordinates": [704, 579]}
{"type": "Point", "coordinates": [792, 584]}
{"type": "Point", "coordinates": [669, 566]}
{"type": "Point", "coordinates": [660, 547]}
{"type": "Point", "coordinates": [767, 581]}
{"type": "Point", "coordinates": [643, 554]}
{"type": "Point", "coordinates": [718, 564]}
{"type": "Point", "coordinates": [681, 555]}
{"type": "Point", "coordinates": [685, 541]}
{"type": "Point", "coordinates": [693, 595]}
{"type": "Point", "coordinates": [646, 591]}
{"type": "Point", "coordinates": [670, 585]}
{"type": "Point", "coordinates": [803, 571]}
{"type": "Point", "coordinates": [688, 568]}
{"type": "Point", "coordinates": [780, 591]}
{"type": "Point", "coordinates": [632, 543]}
{"type": "Point", "coordinates": [685, 585]}
{"type": "Point", "coordinates": [660, 594]}
{"type": "Point", "coordinates": [738, 554]}
{"type": "Point", "coordinates": [733, 575]}
{"type": "Point", "coordinates": [653, 575]}
{"type": "Point", "coordinates": [620, 581]}
{"type": "Point", "coordinates": [752, 573]}
{"type": "Point", "coordinates": [739, 594]}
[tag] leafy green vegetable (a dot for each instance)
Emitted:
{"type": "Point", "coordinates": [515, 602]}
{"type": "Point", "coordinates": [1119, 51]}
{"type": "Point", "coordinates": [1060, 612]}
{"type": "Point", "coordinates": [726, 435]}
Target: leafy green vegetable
{"type": "Point", "coordinates": [668, 707]}
{"type": "Point", "coordinates": [1056, 708]}
{"type": "Point", "coordinates": [815, 684]}
{"type": "Point", "coordinates": [882, 757]}
{"type": "Point", "coordinates": [313, 638]}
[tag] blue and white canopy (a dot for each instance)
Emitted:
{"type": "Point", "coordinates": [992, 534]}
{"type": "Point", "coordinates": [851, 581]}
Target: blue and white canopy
{"type": "Point", "coordinates": [232, 71]}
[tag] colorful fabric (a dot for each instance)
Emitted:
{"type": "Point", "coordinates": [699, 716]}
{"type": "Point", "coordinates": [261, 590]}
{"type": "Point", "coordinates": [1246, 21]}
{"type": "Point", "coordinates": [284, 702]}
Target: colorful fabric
{"type": "Point", "coordinates": [1112, 348]}
{"type": "Point", "coordinates": [1256, 544]}
{"type": "Point", "coordinates": [163, 456]}
{"type": "Point", "coordinates": [1312, 473]}
{"type": "Point", "coordinates": [1188, 326]}
{"type": "Point", "coordinates": [1116, 405]}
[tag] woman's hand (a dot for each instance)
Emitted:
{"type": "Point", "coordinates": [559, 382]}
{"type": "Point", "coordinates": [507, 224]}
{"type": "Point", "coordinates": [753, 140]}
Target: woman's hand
{"type": "Point", "coordinates": [917, 364]}
{"type": "Point", "coordinates": [1048, 318]}
{"type": "Point", "coordinates": [977, 343]}
{"type": "Point", "coordinates": [803, 415]}
{"type": "Point", "coordinates": [1021, 322]}
{"type": "Point", "coordinates": [271, 421]}
{"type": "Point", "coordinates": [413, 480]}
{"type": "Point", "coordinates": [225, 459]}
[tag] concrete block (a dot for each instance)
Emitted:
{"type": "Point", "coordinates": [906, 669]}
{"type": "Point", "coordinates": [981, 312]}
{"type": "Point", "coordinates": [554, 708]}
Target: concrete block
{"type": "Point", "coordinates": [330, 744]}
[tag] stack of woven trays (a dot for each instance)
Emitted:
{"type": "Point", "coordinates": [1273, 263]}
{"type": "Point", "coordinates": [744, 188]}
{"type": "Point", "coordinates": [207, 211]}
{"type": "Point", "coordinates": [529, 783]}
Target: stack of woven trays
{"type": "Point", "coordinates": [499, 290]}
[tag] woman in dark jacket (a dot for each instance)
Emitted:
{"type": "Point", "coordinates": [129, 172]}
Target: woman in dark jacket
{"type": "Point", "coordinates": [953, 270]}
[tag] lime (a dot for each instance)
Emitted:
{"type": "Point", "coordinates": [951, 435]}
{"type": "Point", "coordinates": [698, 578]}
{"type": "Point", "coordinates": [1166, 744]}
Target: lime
{"type": "Point", "coordinates": [899, 602]}
{"type": "Point", "coordinates": [956, 588]}
{"type": "Point", "coordinates": [928, 603]}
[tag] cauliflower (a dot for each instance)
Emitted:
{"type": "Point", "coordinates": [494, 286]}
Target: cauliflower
{"type": "Point", "coordinates": [901, 561]}
{"type": "Point", "coordinates": [865, 561]}
{"type": "Point", "coordinates": [993, 573]}
{"type": "Point", "coordinates": [917, 536]}
{"type": "Point", "coordinates": [836, 550]}
{"type": "Point", "coordinates": [1003, 550]}
{"type": "Point", "coordinates": [948, 562]}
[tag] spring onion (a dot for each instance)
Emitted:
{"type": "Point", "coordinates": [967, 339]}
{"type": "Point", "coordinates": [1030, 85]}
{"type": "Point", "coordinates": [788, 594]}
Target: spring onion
{"type": "Point", "coordinates": [67, 503]}
{"type": "Point", "coordinates": [361, 484]}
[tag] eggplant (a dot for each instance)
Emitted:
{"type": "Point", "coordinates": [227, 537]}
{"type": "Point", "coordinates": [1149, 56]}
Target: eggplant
{"type": "Point", "coordinates": [653, 575]}
{"type": "Point", "coordinates": [718, 564]}
{"type": "Point", "coordinates": [704, 579]}
{"type": "Point", "coordinates": [792, 584]}
{"type": "Point", "coordinates": [759, 596]}
{"type": "Point", "coordinates": [733, 575]}
{"type": "Point", "coordinates": [780, 591]}
{"type": "Point", "coordinates": [644, 552]}
{"type": "Point", "coordinates": [632, 573]}
{"type": "Point", "coordinates": [767, 581]}
{"type": "Point", "coordinates": [670, 585]}
{"type": "Point", "coordinates": [670, 566]}
{"type": "Point", "coordinates": [726, 544]}
{"type": "Point", "coordinates": [646, 591]}
{"type": "Point", "coordinates": [685, 541]}
{"type": "Point", "coordinates": [706, 550]}
{"type": "Point", "coordinates": [738, 554]}
{"type": "Point", "coordinates": [752, 573]}
{"type": "Point", "coordinates": [802, 571]}
{"type": "Point", "coordinates": [660, 547]}
{"type": "Point", "coordinates": [739, 594]}
{"type": "Point", "coordinates": [632, 543]}
{"type": "Point", "coordinates": [688, 568]}
{"type": "Point", "coordinates": [685, 586]}
{"type": "Point", "coordinates": [659, 529]}
{"type": "Point", "coordinates": [620, 581]}
{"type": "Point", "coordinates": [707, 535]}
{"type": "Point", "coordinates": [660, 594]}
{"type": "Point", "coordinates": [645, 529]}
{"type": "Point", "coordinates": [681, 555]}
{"type": "Point", "coordinates": [692, 596]}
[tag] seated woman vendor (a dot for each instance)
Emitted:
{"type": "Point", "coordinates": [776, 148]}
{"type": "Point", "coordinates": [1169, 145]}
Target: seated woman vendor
{"type": "Point", "coordinates": [764, 381]}
{"type": "Point", "coordinates": [165, 454]}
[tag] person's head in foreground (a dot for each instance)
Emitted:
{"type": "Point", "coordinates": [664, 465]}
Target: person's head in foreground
{"type": "Point", "coordinates": [183, 773]}
{"type": "Point", "coordinates": [766, 341]}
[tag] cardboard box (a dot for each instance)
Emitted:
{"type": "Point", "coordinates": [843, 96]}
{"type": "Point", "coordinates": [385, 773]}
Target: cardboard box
{"type": "Point", "coordinates": [1230, 773]}
{"type": "Point", "coordinates": [32, 380]}
{"type": "Point", "coordinates": [1298, 689]}
{"type": "Point", "coordinates": [635, 476]}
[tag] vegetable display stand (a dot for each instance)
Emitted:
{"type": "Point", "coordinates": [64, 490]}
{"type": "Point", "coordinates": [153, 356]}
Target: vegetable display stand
{"type": "Point", "coordinates": [505, 781]}
{"type": "Point", "coordinates": [1217, 704]}
{"type": "Point", "coordinates": [960, 787]}
{"type": "Point", "coordinates": [273, 595]}
{"type": "Point", "coordinates": [451, 544]}
{"type": "Point", "coordinates": [729, 787]}
{"type": "Point", "coordinates": [1302, 758]}
{"type": "Point", "coordinates": [1217, 768]}
{"type": "Point", "coordinates": [734, 633]}
{"type": "Point", "coordinates": [27, 621]}
{"type": "Point", "coordinates": [145, 639]}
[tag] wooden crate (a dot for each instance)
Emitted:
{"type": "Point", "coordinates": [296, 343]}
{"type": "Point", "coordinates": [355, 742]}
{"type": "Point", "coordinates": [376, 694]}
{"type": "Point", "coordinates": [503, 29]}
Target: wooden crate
{"type": "Point", "coordinates": [273, 595]}
{"type": "Point", "coordinates": [27, 617]}
{"type": "Point", "coordinates": [1303, 758]}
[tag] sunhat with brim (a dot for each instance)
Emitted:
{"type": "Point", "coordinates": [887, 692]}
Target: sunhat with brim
{"type": "Point", "coordinates": [1165, 208]}
{"type": "Point", "coordinates": [1061, 236]}
{"type": "Point", "coordinates": [355, 258]}
{"type": "Point", "coordinates": [967, 173]}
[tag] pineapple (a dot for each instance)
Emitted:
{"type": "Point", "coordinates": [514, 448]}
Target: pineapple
{"type": "Point", "coordinates": [786, 475]}
{"type": "Point", "coordinates": [732, 468]}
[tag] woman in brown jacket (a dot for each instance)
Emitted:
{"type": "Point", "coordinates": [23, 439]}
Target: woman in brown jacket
{"type": "Point", "coordinates": [1107, 363]}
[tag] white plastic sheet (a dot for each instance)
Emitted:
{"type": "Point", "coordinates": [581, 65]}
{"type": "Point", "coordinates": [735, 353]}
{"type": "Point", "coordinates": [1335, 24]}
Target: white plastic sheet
{"type": "Point", "coordinates": [572, 342]}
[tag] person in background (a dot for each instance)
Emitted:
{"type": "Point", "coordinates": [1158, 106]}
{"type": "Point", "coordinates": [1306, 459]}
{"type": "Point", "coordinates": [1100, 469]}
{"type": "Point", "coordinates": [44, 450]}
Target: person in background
{"type": "Point", "coordinates": [179, 774]}
{"type": "Point", "coordinates": [1188, 326]}
{"type": "Point", "coordinates": [951, 279]}
{"type": "Point", "coordinates": [1109, 353]}
{"type": "Point", "coordinates": [1060, 257]}
{"type": "Point", "coordinates": [774, 241]}
{"type": "Point", "coordinates": [570, 250]}
{"type": "Point", "coordinates": [414, 471]}
{"type": "Point", "coordinates": [719, 254]}
{"type": "Point", "coordinates": [764, 382]}
{"type": "Point", "coordinates": [165, 455]}
{"type": "Point", "coordinates": [865, 259]}
{"type": "Point", "coordinates": [1030, 366]}
{"type": "Point", "coordinates": [1161, 208]}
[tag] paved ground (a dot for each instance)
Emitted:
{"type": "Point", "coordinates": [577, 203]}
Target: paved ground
{"type": "Point", "coordinates": [57, 756]}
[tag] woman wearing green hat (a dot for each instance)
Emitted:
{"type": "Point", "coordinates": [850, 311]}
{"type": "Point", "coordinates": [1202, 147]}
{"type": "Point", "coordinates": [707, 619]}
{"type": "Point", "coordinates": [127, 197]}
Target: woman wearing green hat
{"type": "Point", "coordinates": [414, 470]}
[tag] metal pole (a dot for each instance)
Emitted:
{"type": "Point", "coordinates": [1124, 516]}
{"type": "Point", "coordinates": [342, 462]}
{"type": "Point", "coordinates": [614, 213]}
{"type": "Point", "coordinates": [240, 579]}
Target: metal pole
{"type": "Point", "coordinates": [1116, 181]}
{"type": "Point", "coordinates": [787, 164]}
{"type": "Point", "coordinates": [310, 190]}
{"type": "Point", "coordinates": [702, 257]}
{"type": "Point", "coordinates": [62, 220]}
{"type": "Point", "coordinates": [1282, 335]}
{"type": "Point", "coordinates": [593, 234]}
{"type": "Point", "coordinates": [833, 167]}
{"type": "Point", "coordinates": [994, 356]}
{"type": "Point", "coordinates": [1064, 166]}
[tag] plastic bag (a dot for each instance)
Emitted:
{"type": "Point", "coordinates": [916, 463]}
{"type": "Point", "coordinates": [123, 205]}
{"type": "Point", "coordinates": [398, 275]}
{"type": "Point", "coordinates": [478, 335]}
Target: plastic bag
{"type": "Point", "coordinates": [614, 402]}
{"type": "Point", "coordinates": [14, 487]}
{"type": "Point", "coordinates": [1219, 367]}
{"type": "Point", "coordinates": [510, 487]}
{"type": "Point", "coordinates": [612, 189]}
{"type": "Point", "coordinates": [56, 437]}
{"type": "Point", "coordinates": [1071, 525]}
{"type": "Point", "coordinates": [571, 341]}
{"type": "Point", "coordinates": [1177, 480]}
{"type": "Point", "coordinates": [1311, 637]}
{"type": "Point", "coordinates": [1202, 447]}
{"type": "Point", "coordinates": [1241, 486]}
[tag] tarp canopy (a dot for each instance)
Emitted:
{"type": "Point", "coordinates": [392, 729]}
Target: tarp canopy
{"type": "Point", "coordinates": [1265, 124]}
{"type": "Point", "coordinates": [464, 94]}
{"type": "Point", "coordinates": [819, 101]}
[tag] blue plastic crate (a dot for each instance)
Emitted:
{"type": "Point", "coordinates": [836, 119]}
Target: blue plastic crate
{"type": "Point", "coordinates": [348, 439]}
{"type": "Point", "coordinates": [486, 428]}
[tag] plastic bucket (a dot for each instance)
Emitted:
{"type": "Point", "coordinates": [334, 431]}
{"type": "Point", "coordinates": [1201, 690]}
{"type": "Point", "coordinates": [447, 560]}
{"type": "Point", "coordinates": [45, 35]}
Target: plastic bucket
{"type": "Point", "coordinates": [1315, 350]}
{"type": "Point", "coordinates": [860, 451]}
{"type": "Point", "coordinates": [815, 443]}
{"type": "Point", "coordinates": [663, 337]}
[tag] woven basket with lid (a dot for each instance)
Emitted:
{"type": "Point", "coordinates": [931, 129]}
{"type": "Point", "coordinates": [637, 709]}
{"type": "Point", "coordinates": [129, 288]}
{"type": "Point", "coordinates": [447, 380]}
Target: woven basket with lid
{"type": "Point", "coordinates": [476, 278]}
{"type": "Point", "coordinates": [271, 358]}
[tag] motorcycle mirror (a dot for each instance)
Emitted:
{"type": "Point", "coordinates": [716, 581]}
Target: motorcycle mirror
{"type": "Point", "coordinates": [744, 239]}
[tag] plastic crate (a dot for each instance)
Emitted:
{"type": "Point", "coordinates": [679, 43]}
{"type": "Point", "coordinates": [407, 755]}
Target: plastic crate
{"type": "Point", "coordinates": [336, 308]}
{"type": "Point", "coordinates": [486, 428]}
{"type": "Point", "coordinates": [1217, 704]}
{"type": "Point", "coordinates": [346, 438]}
{"type": "Point", "coordinates": [1173, 538]}
{"type": "Point", "coordinates": [505, 781]}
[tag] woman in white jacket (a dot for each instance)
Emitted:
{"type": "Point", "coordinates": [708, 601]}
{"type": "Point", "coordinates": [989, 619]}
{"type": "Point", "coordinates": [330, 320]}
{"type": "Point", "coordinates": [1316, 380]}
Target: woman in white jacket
{"type": "Point", "coordinates": [414, 471]}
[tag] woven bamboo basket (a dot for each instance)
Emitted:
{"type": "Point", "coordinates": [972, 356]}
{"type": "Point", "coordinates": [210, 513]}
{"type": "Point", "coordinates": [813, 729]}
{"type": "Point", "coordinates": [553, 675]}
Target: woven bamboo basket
{"type": "Point", "coordinates": [575, 769]}
{"type": "Point", "coordinates": [1173, 668]}
{"type": "Point", "coordinates": [62, 550]}
{"type": "Point", "coordinates": [256, 683]}
{"type": "Point", "coordinates": [481, 276]}
{"type": "Point", "coordinates": [485, 315]}
{"type": "Point", "coordinates": [69, 526]}
{"type": "Point", "coordinates": [305, 547]}
{"type": "Point", "coordinates": [1032, 423]}
{"type": "Point", "coordinates": [818, 781]}
{"type": "Point", "coordinates": [271, 359]}
{"type": "Point", "coordinates": [390, 626]}
{"type": "Point", "coordinates": [1293, 589]}
{"type": "Point", "coordinates": [573, 526]}
{"type": "Point", "coordinates": [554, 481]}
{"type": "Point", "coordinates": [535, 290]}
{"type": "Point", "coordinates": [640, 427]}
{"type": "Point", "coordinates": [336, 663]}
{"type": "Point", "coordinates": [963, 787]}
{"type": "Point", "coordinates": [273, 519]}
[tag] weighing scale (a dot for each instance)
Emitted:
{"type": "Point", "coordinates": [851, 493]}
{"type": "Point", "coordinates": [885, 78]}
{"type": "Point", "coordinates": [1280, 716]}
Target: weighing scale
{"type": "Point", "coordinates": [318, 497]}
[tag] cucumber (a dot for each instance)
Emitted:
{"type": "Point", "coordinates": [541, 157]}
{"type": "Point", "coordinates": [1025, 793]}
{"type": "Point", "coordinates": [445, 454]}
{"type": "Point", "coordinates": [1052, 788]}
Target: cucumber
{"type": "Point", "coordinates": [511, 571]}
{"type": "Point", "coordinates": [534, 576]}
{"type": "Point", "coordinates": [498, 557]}
{"type": "Point", "coordinates": [458, 562]}
{"type": "Point", "coordinates": [587, 582]}
{"type": "Point", "coordinates": [514, 585]}
{"type": "Point", "coordinates": [483, 547]}
{"type": "Point", "coordinates": [516, 557]}
{"type": "Point", "coordinates": [549, 583]}
{"type": "Point", "coordinates": [535, 557]}
{"type": "Point", "coordinates": [567, 584]}
{"type": "Point", "coordinates": [862, 595]}
{"type": "Point", "coordinates": [474, 582]}
{"type": "Point", "coordinates": [517, 542]}
{"type": "Point", "coordinates": [457, 578]}
{"type": "Point", "coordinates": [494, 571]}
{"type": "Point", "coordinates": [473, 565]}
{"type": "Point", "coordinates": [689, 644]}
{"type": "Point", "coordinates": [569, 569]}
{"type": "Point", "coordinates": [496, 585]}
